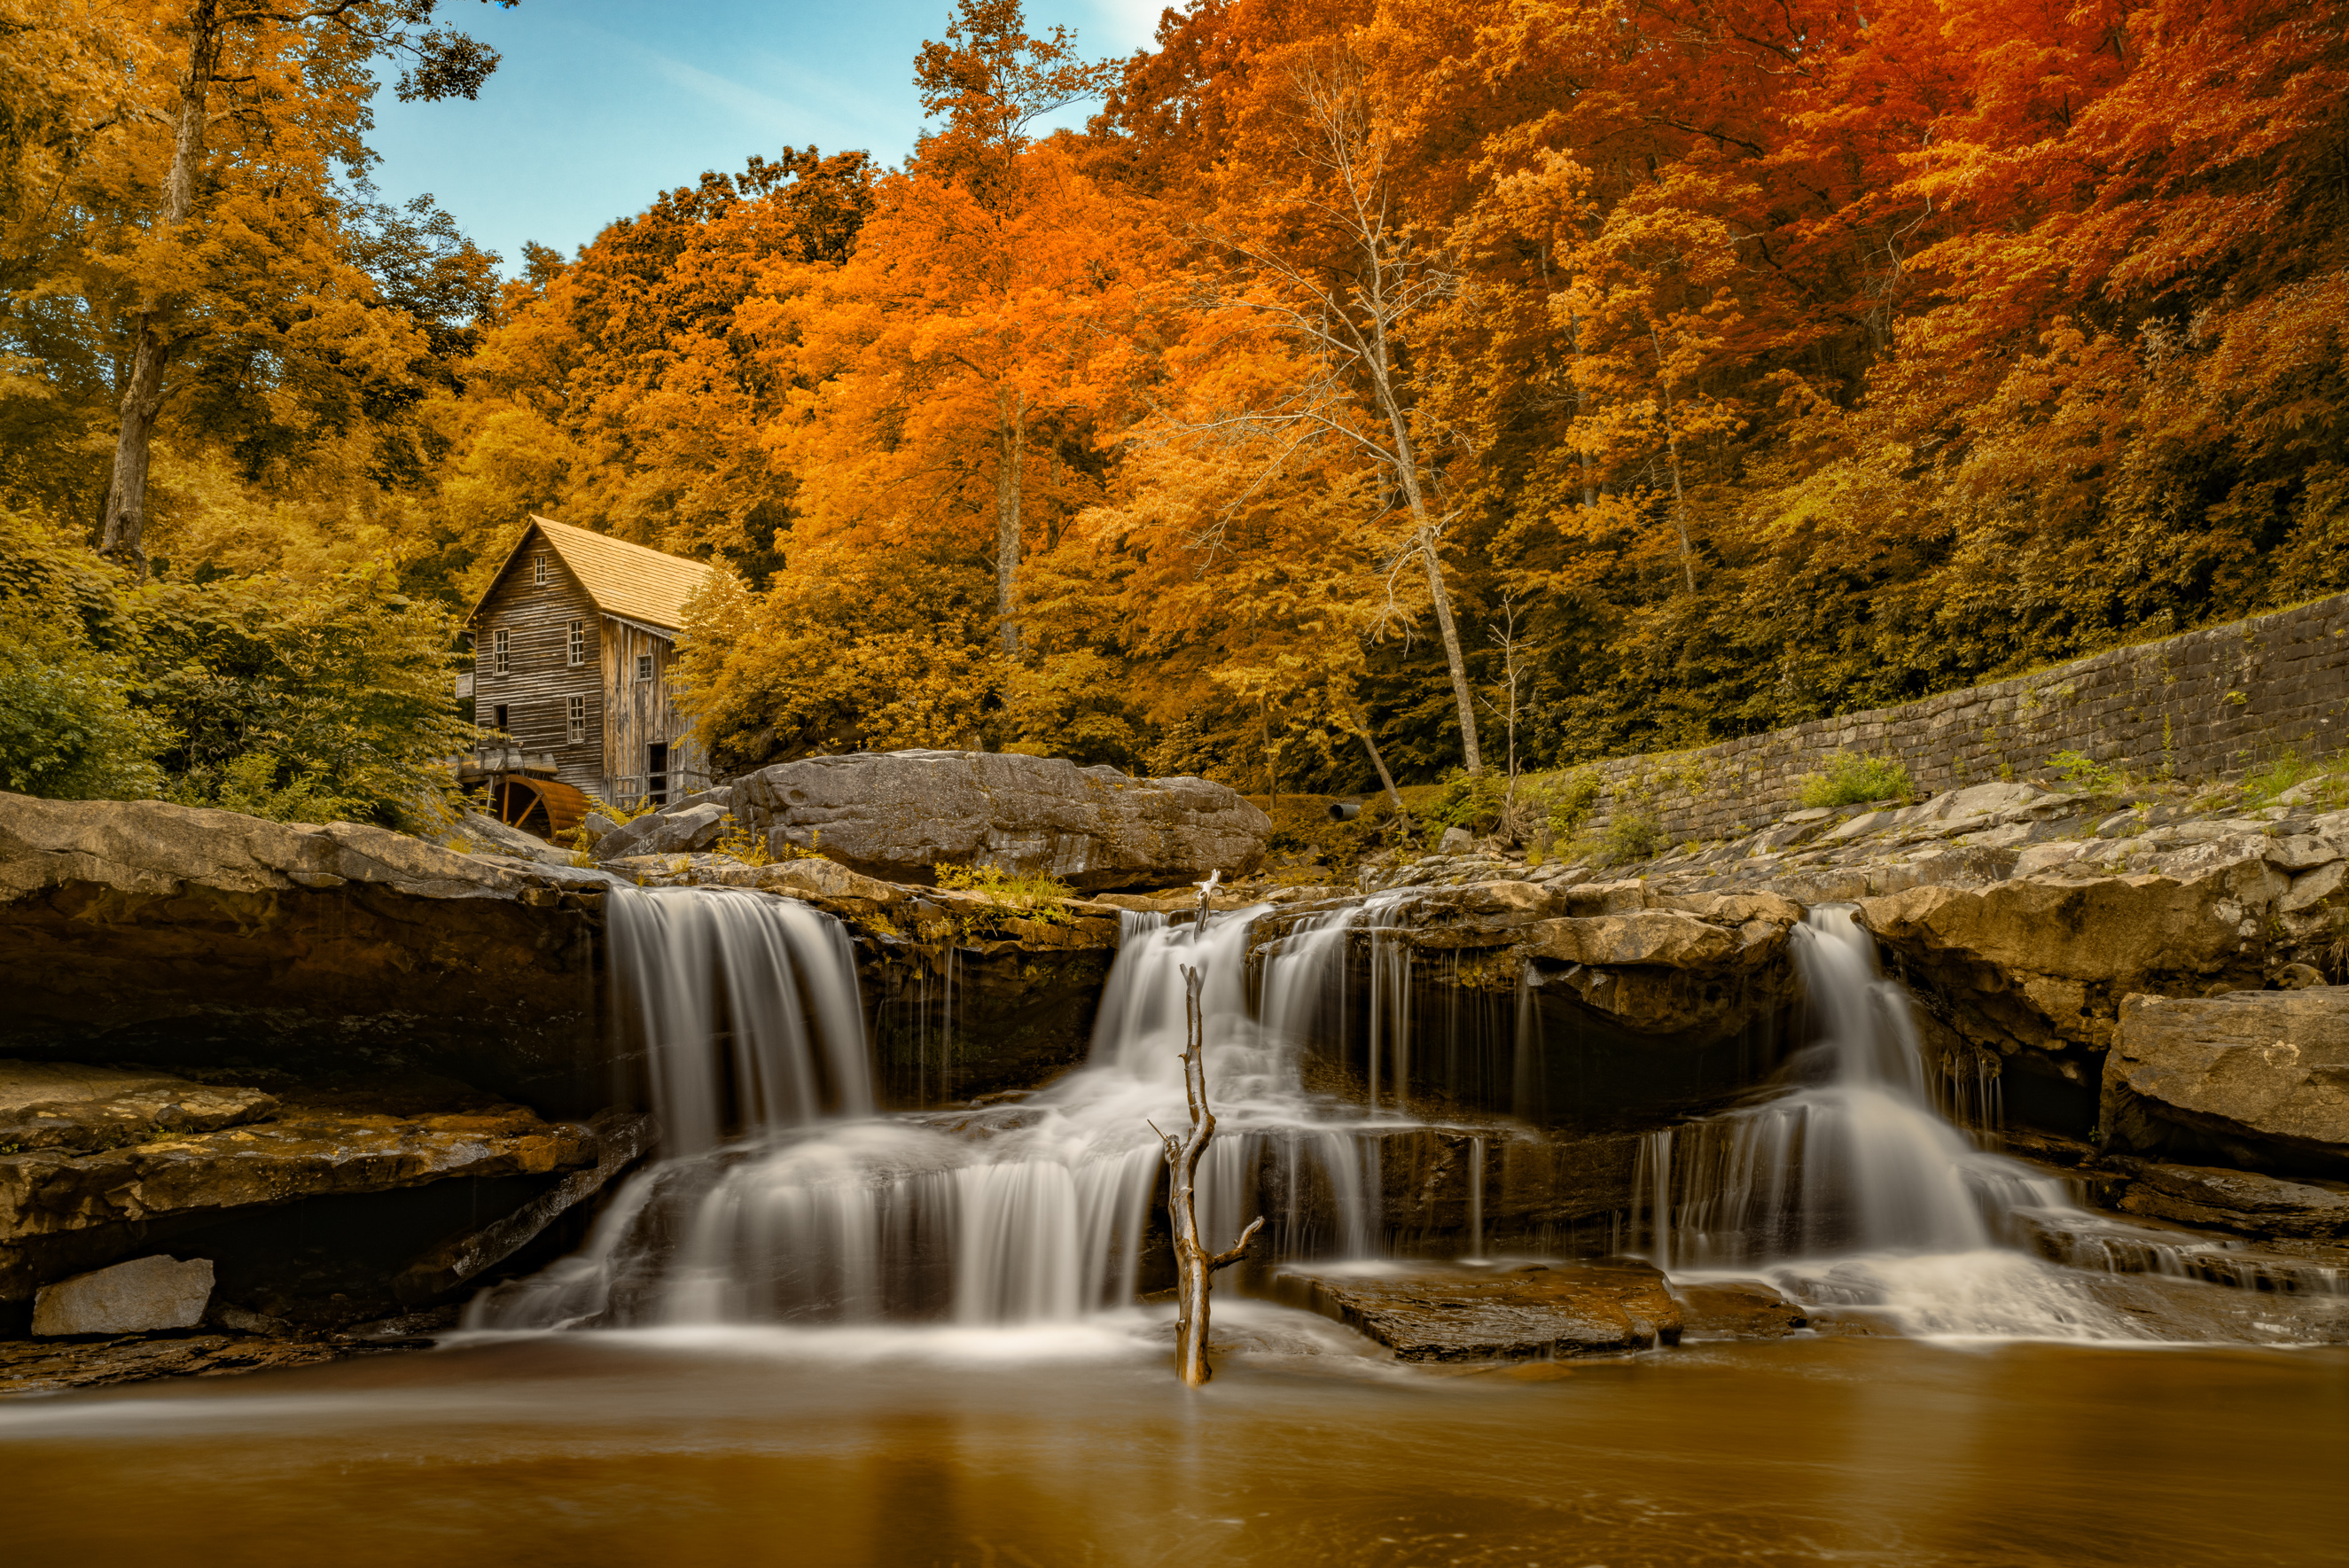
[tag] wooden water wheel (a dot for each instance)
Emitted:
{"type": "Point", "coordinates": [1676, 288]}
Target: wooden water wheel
{"type": "Point", "coordinates": [541, 806]}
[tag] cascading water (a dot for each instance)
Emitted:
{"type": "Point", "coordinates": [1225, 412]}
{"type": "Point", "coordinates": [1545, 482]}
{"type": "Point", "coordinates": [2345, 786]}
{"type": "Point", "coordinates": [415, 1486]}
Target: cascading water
{"type": "Point", "coordinates": [1849, 1188]}
{"type": "Point", "coordinates": [747, 1010]}
{"type": "Point", "coordinates": [783, 1197]}
{"type": "Point", "coordinates": [1026, 1213]}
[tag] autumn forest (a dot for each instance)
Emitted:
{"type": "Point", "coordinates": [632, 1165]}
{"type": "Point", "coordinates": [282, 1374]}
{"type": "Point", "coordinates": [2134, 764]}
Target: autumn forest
{"type": "Point", "coordinates": [1368, 383]}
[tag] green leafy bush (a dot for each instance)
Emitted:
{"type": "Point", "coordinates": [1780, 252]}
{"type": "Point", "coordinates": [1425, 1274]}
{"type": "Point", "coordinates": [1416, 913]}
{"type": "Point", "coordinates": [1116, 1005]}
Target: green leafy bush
{"type": "Point", "coordinates": [1035, 895]}
{"type": "Point", "coordinates": [67, 728]}
{"type": "Point", "coordinates": [300, 701]}
{"type": "Point", "coordinates": [1570, 800]}
{"type": "Point", "coordinates": [316, 703]}
{"type": "Point", "coordinates": [1849, 778]}
{"type": "Point", "coordinates": [1632, 836]}
{"type": "Point", "coordinates": [69, 725]}
{"type": "Point", "coordinates": [1463, 802]}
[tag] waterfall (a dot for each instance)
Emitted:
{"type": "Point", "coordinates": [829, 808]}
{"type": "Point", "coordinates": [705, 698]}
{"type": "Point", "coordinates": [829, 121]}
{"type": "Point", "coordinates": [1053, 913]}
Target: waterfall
{"type": "Point", "coordinates": [1849, 1187]}
{"type": "Point", "coordinates": [745, 1006]}
{"type": "Point", "coordinates": [816, 1210]}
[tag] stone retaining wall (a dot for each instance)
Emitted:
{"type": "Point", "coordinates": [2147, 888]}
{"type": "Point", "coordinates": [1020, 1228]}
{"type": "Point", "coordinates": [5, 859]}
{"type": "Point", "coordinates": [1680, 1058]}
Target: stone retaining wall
{"type": "Point", "coordinates": [2198, 705]}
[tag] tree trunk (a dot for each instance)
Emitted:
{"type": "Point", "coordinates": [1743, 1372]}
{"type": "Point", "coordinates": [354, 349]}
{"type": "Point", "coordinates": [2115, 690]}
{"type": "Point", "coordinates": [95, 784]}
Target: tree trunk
{"type": "Point", "coordinates": [1403, 816]}
{"type": "Point", "coordinates": [1194, 1266]}
{"type": "Point", "coordinates": [1470, 754]}
{"type": "Point", "coordinates": [1672, 449]}
{"type": "Point", "coordinates": [1406, 464]}
{"type": "Point", "coordinates": [124, 539]}
{"type": "Point", "coordinates": [1011, 435]}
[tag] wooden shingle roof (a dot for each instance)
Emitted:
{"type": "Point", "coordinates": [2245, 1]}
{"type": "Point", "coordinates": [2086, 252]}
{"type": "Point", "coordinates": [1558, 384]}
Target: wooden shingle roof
{"type": "Point", "coordinates": [626, 581]}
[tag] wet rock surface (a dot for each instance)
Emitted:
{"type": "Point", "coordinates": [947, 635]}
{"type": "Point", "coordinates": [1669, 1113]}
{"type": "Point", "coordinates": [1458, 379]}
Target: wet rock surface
{"type": "Point", "coordinates": [2244, 1200]}
{"type": "Point", "coordinates": [141, 931]}
{"type": "Point", "coordinates": [1514, 1313]}
{"type": "Point", "coordinates": [46, 1367]}
{"type": "Point", "coordinates": [73, 1108]}
{"type": "Point", "coordinates": [137, 1297]}
{"type": "Point", "coordinates": [902, 814]}
{"type": "Point", "coordinates": [2257, 1073]}
{"type": "Point", "coordinates": [66, 1208]}
{"type": "Point", "coordinates": [1738, 1309]}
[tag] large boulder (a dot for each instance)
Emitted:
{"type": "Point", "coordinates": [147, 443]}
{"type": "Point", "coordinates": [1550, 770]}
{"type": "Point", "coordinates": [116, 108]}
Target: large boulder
{"type": "Point", "coordinates": [900, 815]}
{"type": "Point", "coordinates": [2034, 969]}
{"type": "Point", "coordinates": [1665, 938]}
{"type": "Point", "coordinates": [2260, 1077]}
{"type": "Point", "coordinates": [679, 831]}
{"type": "Point", "coordinates": [143, 1296]}
{"type": "Point", "coordinates": [2103, 930]}
{"type": "Point", "coordinates": [141, 931]}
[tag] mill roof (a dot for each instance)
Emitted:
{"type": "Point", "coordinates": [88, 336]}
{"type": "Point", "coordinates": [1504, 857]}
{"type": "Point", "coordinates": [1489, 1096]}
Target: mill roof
{"type": "Point", "coordinates": [626, 581]}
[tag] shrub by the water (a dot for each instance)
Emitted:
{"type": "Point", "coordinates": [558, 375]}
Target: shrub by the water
{"type": "Point", "coordinates": [1633, 836]}
{"type": "Point", "coordinates": [1571, 799]}
{"type": "Point", "coordinates": [1036, 894]}
{"type": "Point", "coordinates": [1463, 802]}
{"type": "Point", "coordinates": [1849, 778]}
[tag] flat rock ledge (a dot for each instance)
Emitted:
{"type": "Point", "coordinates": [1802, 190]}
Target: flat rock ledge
{"type": "Point", "coordinates": [36, 1367]}
{"type": "Point", "coordinates": [1522, 1312]}
{"type": "Point", "coordinates": [94, 1160]}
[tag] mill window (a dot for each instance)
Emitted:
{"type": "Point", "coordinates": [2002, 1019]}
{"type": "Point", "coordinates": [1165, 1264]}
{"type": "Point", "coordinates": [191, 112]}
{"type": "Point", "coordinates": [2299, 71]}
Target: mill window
{"type": "Point", "coordinates": [644, 666]}
{"type": "Point", "coordinates": [538, 569]}
{"type": "Point", "coordinates": [501, 646]}
{"type": "Point", "coordinates": [498, 719]}
{"type": "Point", "coordinates": [578, 642]}
{"type": "Point", "coordinates": [578, 715]}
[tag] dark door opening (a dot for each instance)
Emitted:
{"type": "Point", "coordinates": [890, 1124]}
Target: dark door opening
{"type": "Point", "coordinates": [498, 720]}
{"type": "Point", "coordinates": [656, 772]}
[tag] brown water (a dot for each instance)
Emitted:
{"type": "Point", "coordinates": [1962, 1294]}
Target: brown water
{"type": "Point", "coordinates": [1076, 1446]}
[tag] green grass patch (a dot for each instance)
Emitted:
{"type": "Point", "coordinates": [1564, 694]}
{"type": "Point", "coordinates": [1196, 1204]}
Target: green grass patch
{"type": "Point", "coordinates": [2288, 770]}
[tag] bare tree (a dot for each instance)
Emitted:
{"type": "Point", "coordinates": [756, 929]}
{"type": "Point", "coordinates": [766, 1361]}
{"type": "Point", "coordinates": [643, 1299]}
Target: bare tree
{"type": "Point", "coordinates": [1194, 1266]}
{"type": "Point", "coordinates": [1515, 651]}
{"type": "Point", "coordinates": [1344, 283]}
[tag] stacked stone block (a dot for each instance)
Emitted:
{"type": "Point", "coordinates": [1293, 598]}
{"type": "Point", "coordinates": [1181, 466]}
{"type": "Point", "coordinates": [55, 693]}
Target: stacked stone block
{"type": "Point", "coordinates": [2201, 706]}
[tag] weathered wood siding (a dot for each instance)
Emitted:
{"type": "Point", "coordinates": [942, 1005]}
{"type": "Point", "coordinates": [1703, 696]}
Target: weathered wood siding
{"type": "Point", "coordinates": [640, 712]}
{"type": "Point", "coordinates": [540, 679]}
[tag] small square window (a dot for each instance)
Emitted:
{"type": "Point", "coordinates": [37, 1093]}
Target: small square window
{"type": "Point", "coordinates": [578, 642]}
{"type": "Point", "coordinates": [538, 569]}
{"type": "Point", "coordinates": [578, 717]}
{"type": "Point", "coordinates": [501, 645]}
{"type": "Point", "coordinates": [644, 666]}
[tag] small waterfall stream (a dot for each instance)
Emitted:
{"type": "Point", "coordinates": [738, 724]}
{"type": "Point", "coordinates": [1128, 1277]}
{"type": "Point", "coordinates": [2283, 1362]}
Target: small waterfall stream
{"type": "Point", "coordinates": [1849, 1187]}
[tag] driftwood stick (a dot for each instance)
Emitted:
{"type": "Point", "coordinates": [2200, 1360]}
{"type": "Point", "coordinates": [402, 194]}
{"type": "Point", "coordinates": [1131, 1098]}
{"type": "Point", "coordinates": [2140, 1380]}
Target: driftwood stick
{"type": "Point", "coordinates": [1194, 1266]}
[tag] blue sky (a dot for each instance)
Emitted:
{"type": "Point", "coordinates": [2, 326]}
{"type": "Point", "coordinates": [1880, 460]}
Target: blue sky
{"type": "Point", "coordinates": [599, 104]}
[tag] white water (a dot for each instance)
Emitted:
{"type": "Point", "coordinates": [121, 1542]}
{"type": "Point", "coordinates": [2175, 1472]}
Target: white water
{"type": "Point", "coordinates": [746, 1009]}
{"type": "Point", "coordinates": [783, 1198]}
{"type": "Point", "coordinates": [1849, 1188]}
{"type": "Point", "coordinates": [1028, 1214]}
